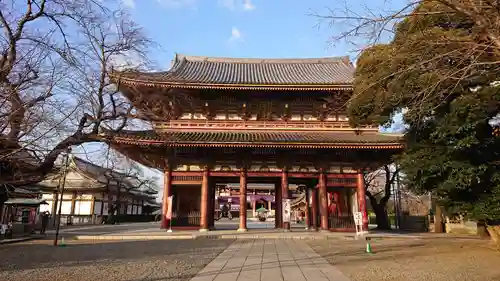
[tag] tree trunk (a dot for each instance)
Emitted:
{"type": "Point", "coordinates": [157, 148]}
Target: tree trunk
{"type": "Point", "coordinates": [381, 217]}
{"type": "Point", "coordinates": [494, 231]}
{"type": "Point", "coordinates": [481, 229]}
{"type": "Point", "coordinates": [438, 220]}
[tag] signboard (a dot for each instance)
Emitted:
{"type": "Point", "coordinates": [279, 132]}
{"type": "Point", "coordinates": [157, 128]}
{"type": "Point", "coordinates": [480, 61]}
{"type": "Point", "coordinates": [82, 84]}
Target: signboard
{"type": "Point", "coordinates": [358, 218]}
{"type": "Point", "coordinates": [286, 210]}
{"type": "Point", "coordinates": [169, 207]}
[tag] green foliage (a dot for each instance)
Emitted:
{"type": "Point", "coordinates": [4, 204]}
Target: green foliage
{"type": "Point", "coordinates": [439, 67]}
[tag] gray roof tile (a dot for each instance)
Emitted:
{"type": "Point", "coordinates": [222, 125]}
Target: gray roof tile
{"type": "Point", "coordinates": [234, 71]}
{"type": "Point", "coordinates": [248, 137]}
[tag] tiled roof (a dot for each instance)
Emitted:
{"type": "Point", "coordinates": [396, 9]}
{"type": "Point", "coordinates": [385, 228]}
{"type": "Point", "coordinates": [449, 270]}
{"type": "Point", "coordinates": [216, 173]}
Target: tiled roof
{"type": "Point", "coordinates": [258, 138]}
{"type": "Point", "coordinates": [105, 175]}
{"type": "Point", "coordinates": [194, 70]}
{"type": "Point", "coordinates": [101, 174]}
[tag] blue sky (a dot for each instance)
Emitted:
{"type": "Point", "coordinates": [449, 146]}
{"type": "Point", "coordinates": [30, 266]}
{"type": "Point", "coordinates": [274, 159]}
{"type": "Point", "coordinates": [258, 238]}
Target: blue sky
{"type": "Point", "coordinates": [249, 28]}
{"type": "Point", "coordinates": [237, 28]}
{"type": "Point", "coordinates": [240, 28]}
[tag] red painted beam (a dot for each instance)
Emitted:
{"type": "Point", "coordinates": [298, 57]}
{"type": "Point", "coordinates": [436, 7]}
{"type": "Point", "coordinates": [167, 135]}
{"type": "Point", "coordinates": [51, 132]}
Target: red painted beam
{"type": "Point", "coordinates": [261, 174]}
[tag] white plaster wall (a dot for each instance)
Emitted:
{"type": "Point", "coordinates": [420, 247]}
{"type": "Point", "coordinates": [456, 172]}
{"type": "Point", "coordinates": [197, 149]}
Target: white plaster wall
{"type": "Point", "coordinates": [97, 208]}
{"type": "Point", "coordinates": [47, 196]}
{"type": "Point", "coordinates": [47, 208]}
{"type": "Point", "coordinates": [83, 208]}
{"type": "Point", "coordinates": [105, 209]}
{"type": "Point", "coordinates": [65, 208]}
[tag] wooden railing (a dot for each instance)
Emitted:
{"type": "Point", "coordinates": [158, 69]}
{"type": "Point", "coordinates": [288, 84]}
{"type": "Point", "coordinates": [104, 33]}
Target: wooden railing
{"type": "Point", "coordinates": [192, 218]}
{"type": "Point", "coordinates": [341, 222]}
{"type": "Point", "coordinates": [256, 125]}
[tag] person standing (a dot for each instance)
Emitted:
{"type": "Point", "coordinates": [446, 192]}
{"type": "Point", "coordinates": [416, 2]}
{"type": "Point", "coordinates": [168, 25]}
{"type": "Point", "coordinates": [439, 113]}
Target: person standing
{"type": "Point", "coordinates": [45, 222]}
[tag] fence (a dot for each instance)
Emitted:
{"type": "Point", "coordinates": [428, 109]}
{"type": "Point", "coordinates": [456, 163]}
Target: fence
{"type": "Point", "coordinates": [186, 219]}
{"type": "Point", "coordinates": [343, 222]}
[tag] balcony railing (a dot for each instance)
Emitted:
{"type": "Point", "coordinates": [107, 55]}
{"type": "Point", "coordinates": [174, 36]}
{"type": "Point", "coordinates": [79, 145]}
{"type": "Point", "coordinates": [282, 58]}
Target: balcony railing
{"type": "Point", "coordinates": [256, 125]}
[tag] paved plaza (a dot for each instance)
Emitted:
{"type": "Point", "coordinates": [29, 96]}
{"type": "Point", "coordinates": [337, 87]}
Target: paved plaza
{"type": "Point", "coordinates": [177, 260]}
{"type": "Point", "coordinates": [269, 260]}
{"type": "Point", "coordinates": [258, 254]}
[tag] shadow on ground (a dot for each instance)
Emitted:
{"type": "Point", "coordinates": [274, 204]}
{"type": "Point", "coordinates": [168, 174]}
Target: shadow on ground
{"type": "Point", "coordinates": [42, 254]}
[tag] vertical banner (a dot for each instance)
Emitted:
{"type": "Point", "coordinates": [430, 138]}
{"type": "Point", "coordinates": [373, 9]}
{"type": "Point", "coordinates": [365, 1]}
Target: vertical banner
{"type": "Point", "coordinates": [169, 207]}
{"type": "Point", "coordinates": [286, 210]}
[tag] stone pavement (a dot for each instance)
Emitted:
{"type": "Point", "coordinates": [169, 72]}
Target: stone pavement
{"type": "Point", "coordinates": [269, 260]}
{"type": "Point", "coordinates": [161, 234]}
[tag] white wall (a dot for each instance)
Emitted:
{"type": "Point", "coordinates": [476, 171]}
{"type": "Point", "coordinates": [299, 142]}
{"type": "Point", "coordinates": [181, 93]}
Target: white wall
{"type": "Point", "coordinates": [83, 208]}
{"type": "Point", "coordinates": [46, 208]}
{"type": "Point", "coordinates": [97, 208]}
{"type": "Point", "coordinates": [105, 209]}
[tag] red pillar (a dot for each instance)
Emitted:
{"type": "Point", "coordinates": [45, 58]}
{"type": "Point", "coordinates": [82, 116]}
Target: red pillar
{"type": "Point", "coordinates": [204, 201]}
{"type": "Point", "coordinates": [323, 201]}
{"type": "Point", "coordinates": [307, 220]}
{"type": "Point", "coordinates": [167, 191]}
{"type": "Point", "coordinates": [243, 200]}
{"type": "Point", "coordinates": [284, 194]}
{"type": "Point", "coordinates": [362, 199]}
{"type": "Point", "coordinates": [211, 206]}
{"type": "Point", "coordinates": [314, 208]}
{"type": "Point", "coordinates": [278, 209]}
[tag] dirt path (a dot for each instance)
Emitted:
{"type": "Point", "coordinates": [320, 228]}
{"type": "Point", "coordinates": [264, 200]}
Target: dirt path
{"type": "Point", "coordinates": [441, 259]}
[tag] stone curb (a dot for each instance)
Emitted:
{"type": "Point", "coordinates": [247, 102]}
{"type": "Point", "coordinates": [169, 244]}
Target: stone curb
{"type": "Point", "coordinates": [235, 237]}
{"type": "Point", "coordinates": [193, 237]}
{"type": "Point", "coordinates": [16, 240]}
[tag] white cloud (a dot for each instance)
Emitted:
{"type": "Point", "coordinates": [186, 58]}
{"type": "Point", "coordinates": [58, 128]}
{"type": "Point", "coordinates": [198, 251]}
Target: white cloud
{"type": "Point", "coordinates": [232, 5]}
{"type": "Point", "coordinates": [129, 3]}
{"type": "Point", "coordinates": [248, 5]}
{"type": "Point", "coordinates": [235, 35]}
{"type": "Point", "coordinates": [127, 61]}
{"type": "Point", "coordinates": [178, 3]}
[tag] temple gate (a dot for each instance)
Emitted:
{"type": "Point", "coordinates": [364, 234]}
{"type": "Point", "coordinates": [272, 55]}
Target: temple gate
{"type": "Point", "coordinates": [276, 121]}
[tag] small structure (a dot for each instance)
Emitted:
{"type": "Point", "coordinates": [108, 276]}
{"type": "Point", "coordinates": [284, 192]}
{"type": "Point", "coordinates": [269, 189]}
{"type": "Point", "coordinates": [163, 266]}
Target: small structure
{"type": "Point", "coordinates": [92, 192]}
{"type": "Point", "coordinates": [258, 196]}
{"type": "Point", "coordinates": [22, 214]}
{"type": "Point", "coordinates": [18, 202]}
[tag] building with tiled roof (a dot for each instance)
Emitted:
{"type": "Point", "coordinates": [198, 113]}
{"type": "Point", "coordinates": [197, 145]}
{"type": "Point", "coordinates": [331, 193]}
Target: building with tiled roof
{"type": "Point", "coordinates": [91, 190]}
{"type": "Point", "coordinates": [239, 120]}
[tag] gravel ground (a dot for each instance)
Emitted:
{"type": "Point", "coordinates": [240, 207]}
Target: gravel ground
{"type": "Point", "coordinates": [137, 260]}
{"type": "Point", "coordinates": [442, 259]}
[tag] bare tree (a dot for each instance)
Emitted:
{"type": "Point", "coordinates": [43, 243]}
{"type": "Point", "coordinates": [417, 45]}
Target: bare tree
{"type": "Point", "coordinates": [125, 178]}
{"type": "Point", "coordinates": [56, 58]}
{"type": "Point", "coordinates": [471, 59]}
{"type": "Point", "coordinates": [378, 186]}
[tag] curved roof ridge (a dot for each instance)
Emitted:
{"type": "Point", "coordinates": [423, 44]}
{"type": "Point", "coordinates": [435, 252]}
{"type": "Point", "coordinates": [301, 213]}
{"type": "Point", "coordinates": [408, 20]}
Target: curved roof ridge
{"type": "Point", "coordinates": [200, 72]}
{"type": "Point", "coordinates": [181, 57]}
